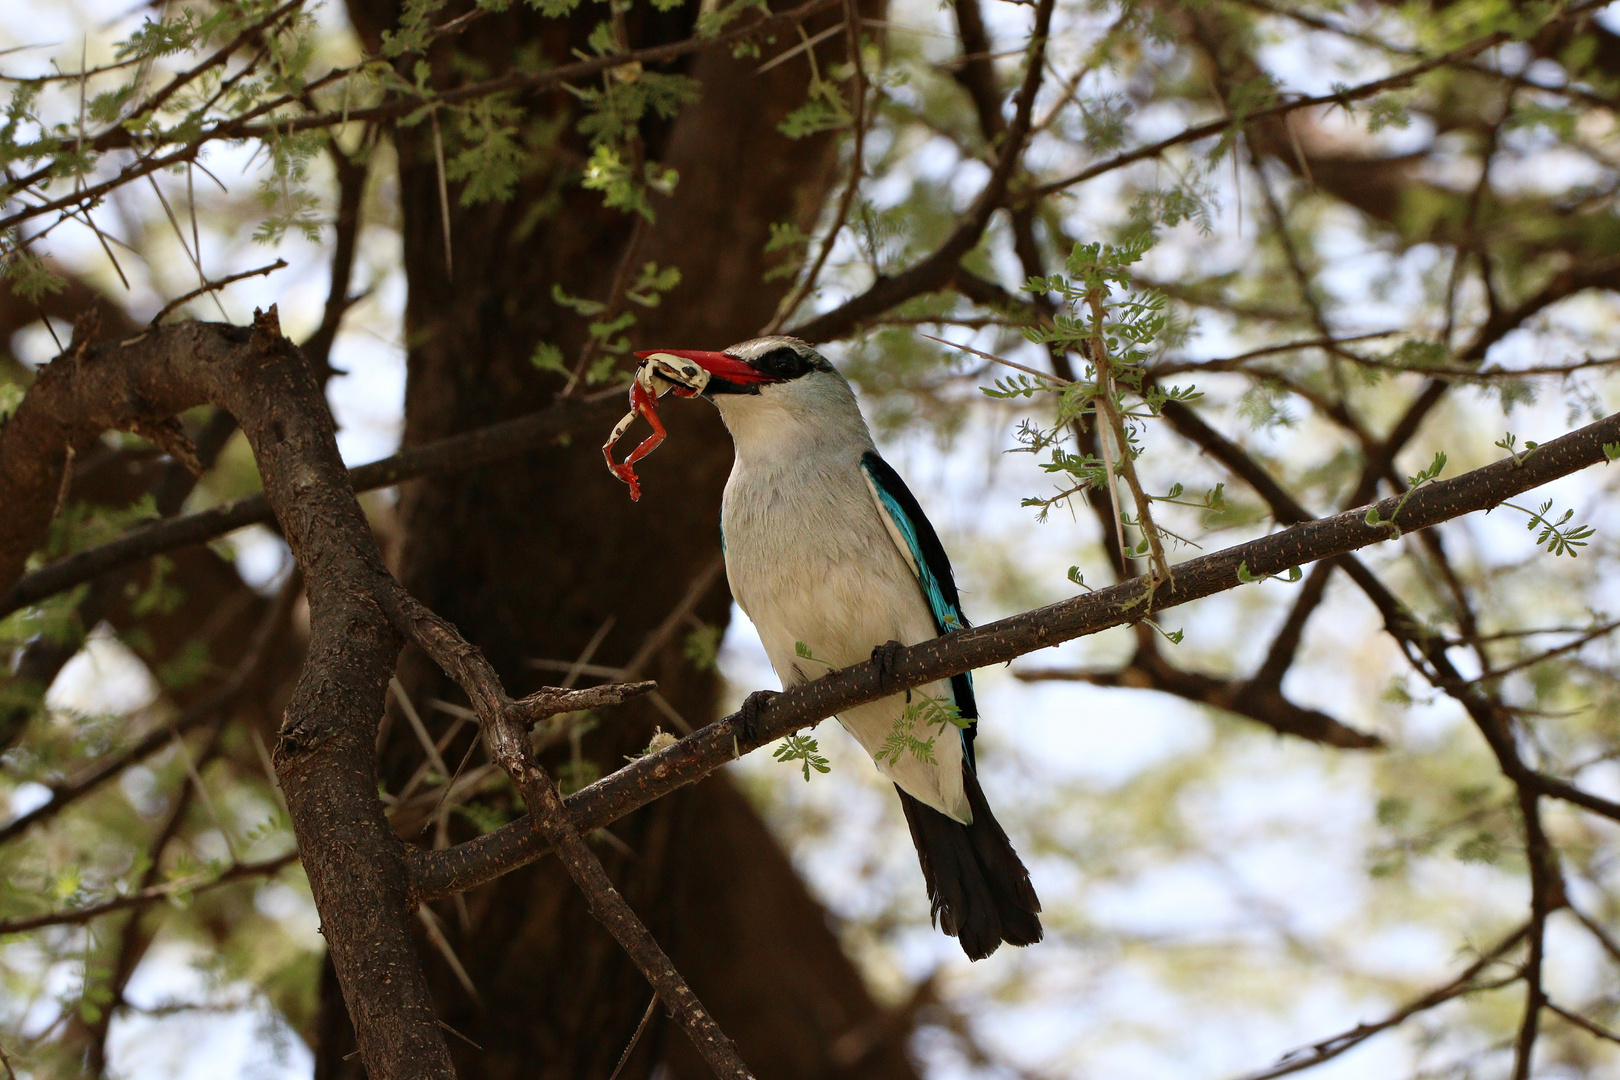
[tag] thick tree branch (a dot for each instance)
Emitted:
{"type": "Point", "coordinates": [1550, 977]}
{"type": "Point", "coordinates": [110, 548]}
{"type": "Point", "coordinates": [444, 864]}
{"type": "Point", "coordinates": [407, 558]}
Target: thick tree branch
{"type": "Point", "coordinates": [324, 755]}
{"type": "Point", "coordinates": [1248, 698]}
{"type": "Point", "coordinates": [697, 755]}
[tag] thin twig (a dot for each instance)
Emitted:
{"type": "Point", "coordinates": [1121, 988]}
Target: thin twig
{"type": "Point", "coordinates": [504, 722]}
{"type": "Point", "coordinates": [144, 897]}
{"type": "Point", "coordinates": [937, 268]}
{"type": "Point", "coordinates": [804, 45]}
{"type": "Point", "coordinates": [1610, 945]}
{"type": "Point", "coordinates": [1309, 1057]}
{"type": "Point", "coordinates": [250, 124]}
{"type": "Point", "coordinates": [857, 165]}
{"type": "Point", "coordinates": [646, 1018]}
{"type": "Point", "coordinates": [214, 286]}
{"type": "Point", "coordinates": [435, 934]}
{"type": "Point", "coordinates": [1103, 399]}
{"type": "Point", "coordinates": [194, 256]}
{"type": "Point", "coordinates": [1590, 1026]}
{"type": "Point", "coordinates": [1341, 97]}
{"type": "Point", "coordinates": [699, 588]}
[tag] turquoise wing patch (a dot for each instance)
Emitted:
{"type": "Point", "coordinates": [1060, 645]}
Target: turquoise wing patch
{"type": "Point", "coordinates": [920, 544]}
{"type": "Point", "coordinates": [947, 615]}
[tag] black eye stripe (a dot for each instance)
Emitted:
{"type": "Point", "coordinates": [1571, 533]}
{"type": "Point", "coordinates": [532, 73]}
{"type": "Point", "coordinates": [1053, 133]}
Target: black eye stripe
{"type": "Point", "coordinates": [783, 363]}
{"type": "Point", "coordinates": [787, 363]}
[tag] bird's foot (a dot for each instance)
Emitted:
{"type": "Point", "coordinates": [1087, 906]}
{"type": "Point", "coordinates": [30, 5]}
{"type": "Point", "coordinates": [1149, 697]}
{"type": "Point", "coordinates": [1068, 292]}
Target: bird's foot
{"type": "Point", "coordinates": [884, 656]}
{"type": "Point", "coordinates": [748, 715]}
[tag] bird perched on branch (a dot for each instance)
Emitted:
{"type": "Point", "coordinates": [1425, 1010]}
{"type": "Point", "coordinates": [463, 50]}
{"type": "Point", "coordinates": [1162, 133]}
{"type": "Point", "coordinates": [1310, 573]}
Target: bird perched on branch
{"type": "Point", "coordinates": [831, 557]}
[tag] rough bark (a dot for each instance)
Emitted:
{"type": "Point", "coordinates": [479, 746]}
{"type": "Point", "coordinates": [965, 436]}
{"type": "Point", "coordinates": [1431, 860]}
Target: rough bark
{"type": "Point", "coordinates": [530, 558]}
{"type": "Point", "coordinates": [324, 756]}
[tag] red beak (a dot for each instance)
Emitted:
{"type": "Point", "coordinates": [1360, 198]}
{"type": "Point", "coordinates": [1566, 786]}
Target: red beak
{"type": "Point", "coordinates": [717, 364]}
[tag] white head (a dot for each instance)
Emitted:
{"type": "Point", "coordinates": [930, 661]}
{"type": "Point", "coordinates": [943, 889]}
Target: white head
{"type": "Point", "coordinates": [778, 395]}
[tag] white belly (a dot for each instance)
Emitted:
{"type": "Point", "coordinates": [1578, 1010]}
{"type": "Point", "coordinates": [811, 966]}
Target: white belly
{"type": "Point", "coordinates": [812, 563]}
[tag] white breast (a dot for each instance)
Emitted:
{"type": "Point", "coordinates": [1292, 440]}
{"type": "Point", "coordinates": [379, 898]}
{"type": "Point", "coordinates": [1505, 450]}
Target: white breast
{"type": "Point", "coordinates": [812, 560]}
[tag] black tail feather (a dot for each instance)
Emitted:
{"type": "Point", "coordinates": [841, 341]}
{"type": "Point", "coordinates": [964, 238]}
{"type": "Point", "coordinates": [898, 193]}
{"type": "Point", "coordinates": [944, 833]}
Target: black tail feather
{"type": "Point", "coordinates": [979, 888]}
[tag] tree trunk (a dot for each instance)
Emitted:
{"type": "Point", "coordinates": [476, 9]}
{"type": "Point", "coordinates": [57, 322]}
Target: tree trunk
{"type": "Point", "coordinates": [532, 559]}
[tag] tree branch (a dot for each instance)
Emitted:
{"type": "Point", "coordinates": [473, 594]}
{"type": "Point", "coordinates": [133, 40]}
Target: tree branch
{"type": "Point", "coordinates": [1149, 669]}
{"type": "Point", "coordinates": [148, 896]}
{"type": "Point", "coordinates": [494, 443]}
{"type": "Point", "coordinates": [505, 725]}
{"type": "Point", "coordinates": [324, 754]}
{"type": "Point", "coordinates": [250, 125]}
{"type": "Point", "coordinates": [1396, 81]}
{"type": "Point", "coordinates": [487, 857]}
{"type": "Point", "coordinates": [935, 271]}
{"type": "Point", "coordinates": [1328, 1049]}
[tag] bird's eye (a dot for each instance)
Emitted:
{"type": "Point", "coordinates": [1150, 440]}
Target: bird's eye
{"type": "Point", "coordinates": [783, 363]}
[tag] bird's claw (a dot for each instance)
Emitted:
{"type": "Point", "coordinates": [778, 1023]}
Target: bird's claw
{"type": "Point", "coordinates": [885, 656]}
{"type": "Point", "coordinates": [748, 715]}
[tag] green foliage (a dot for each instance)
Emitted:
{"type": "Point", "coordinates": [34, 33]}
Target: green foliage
{"type": "Point", "coordinates": [291, 206]}
{"type": "Point", "coordinates": [788, 238]}
{"type": "Point", "coordinates": [483, 816]}
{"type": "Point", "coordinates": [1483, 847]}
{"type": "Point", "coordinates": [1244, 575]}
{"type": "Point", "coordinates": [803, 749]}
{"type": "Point", "coordinates": [1412, 484]}
{"type": "Point", "coordinates": [1126, 76]}
{"type": "Point", "coordinates": [1510, 441]}
{"type": "Point", "coordinates": [1388, 111]}
{"type": "Point", "coordinates": [824, 110]}
{"type": "Point", "coordinates": [548, 357]}
{"type": "Point", "coordinates": [166, 36]}
{"type": "Point", "coordinates": [186, 667]}
{"type": "Point", "coordinates": [1414, 354]}
{"type": "Point", "coordinates": [628, 95]}
{"type": "Point", "coordinates": [902, 741]}
{"type": "Point", "coordinates": [415, 25]}
{"type": "Point", "coordinates": [157, 596]}
{"type": "Point", "coordinates": [1559, 537]}
{"type": "Point", "coordinates": [1117, 327]}
{"type": "Point", "coordinates": [577, 773]}
{"type": "Point", "coordinates": [26, 273]}
{"type": "Point", "coordinates": [649, 288]}
{"type": "Point", "coordinates": [925, 712]}
{"type": "Point", "coordinates": [622, 187]}
{"type": "Point", "coordinates": [715, 17]}
{"type": "Point", "coordinates": [82, 525]}
{"type": "Point", "coordinates": [490, 158]}
{"type": "Point", "coordinates": [702, 647]}
{"type": "Point", "coordinates": [802, 651]}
